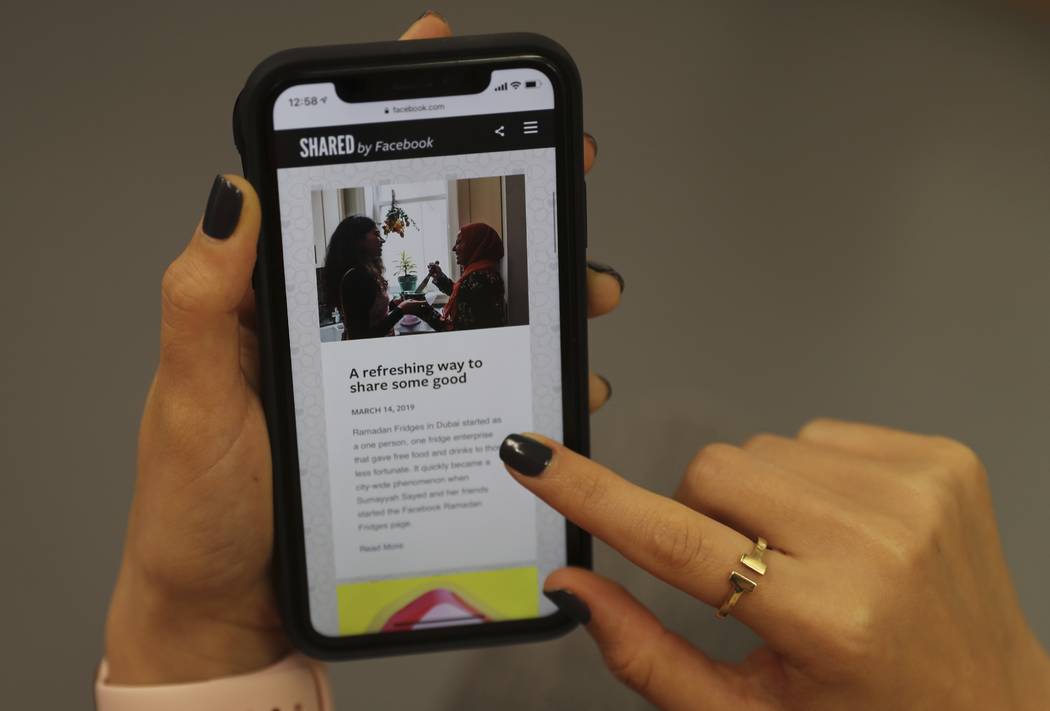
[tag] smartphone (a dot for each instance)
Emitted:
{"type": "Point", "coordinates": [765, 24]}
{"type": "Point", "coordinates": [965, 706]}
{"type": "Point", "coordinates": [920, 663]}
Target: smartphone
{"type": "Point", "coordinates": [397, 528]}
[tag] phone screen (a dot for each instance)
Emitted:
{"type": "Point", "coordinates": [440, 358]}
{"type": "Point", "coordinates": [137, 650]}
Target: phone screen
{"type": "Point", "coordinates": [421, 267]}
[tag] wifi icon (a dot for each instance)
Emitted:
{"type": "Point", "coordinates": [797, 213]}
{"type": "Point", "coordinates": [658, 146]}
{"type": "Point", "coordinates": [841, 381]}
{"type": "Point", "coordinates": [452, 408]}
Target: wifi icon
{"type": "Point", "coordinates": [515, 84]}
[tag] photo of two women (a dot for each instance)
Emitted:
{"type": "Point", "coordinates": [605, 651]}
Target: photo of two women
{"type": "Point", "coordinates": [428, 257]}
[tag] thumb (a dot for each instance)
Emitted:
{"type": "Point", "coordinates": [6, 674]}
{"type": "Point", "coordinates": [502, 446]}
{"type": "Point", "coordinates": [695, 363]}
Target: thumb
{"type": "Point", "coordinates": [201, 292]}
{"type": "Point", "coordinates": [640, 651]}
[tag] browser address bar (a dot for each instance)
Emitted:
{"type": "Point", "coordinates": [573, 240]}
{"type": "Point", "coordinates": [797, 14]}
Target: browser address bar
{"type": "Point", "coordinates": [318, 105]}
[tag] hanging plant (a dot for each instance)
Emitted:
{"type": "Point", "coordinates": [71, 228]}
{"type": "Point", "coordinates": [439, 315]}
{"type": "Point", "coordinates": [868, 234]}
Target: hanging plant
{"type": "Point", "coordinates": [396, 218]}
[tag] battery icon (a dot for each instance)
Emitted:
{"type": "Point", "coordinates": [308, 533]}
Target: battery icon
{"type": "Point", "coordinates": [531, 84]}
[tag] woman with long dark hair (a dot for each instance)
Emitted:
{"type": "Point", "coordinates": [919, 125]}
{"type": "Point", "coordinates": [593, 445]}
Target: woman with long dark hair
{"type": "Point", "coordinates": [354, 282]}
{"type": "Point", "coordinates": [478, 298]}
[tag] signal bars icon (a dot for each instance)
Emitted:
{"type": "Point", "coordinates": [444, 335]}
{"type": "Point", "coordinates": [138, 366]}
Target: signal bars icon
{"type": "Point", "coordinates": [508, 85]}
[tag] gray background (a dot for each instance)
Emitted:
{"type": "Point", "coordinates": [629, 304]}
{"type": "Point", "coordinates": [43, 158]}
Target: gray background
{"type": "Point", "coordinates": [863, 201]}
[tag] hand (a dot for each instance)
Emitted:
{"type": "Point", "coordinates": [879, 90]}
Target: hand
{"type": "Point", "coordinates": [415, 308]}
{"type": "Point", "coordinates": [193, 599]}
{"type": "Point", "coordinates": [435, 269]}
{"type": "Point", "coordinates": [886, 586]}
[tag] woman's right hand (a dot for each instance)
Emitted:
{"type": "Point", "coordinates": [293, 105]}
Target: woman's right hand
{"type": "Point", "coordinates": [886, 586]}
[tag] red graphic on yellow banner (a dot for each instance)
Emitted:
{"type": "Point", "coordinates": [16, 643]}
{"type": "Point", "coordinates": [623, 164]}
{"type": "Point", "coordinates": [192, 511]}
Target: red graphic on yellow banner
{"type": "Point", "coordinates": [438, 601]}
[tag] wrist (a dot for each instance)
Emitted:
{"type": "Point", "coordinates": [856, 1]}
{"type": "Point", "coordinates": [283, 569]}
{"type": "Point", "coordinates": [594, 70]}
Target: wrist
{"type": "Point", "coordinates": [155, 638]}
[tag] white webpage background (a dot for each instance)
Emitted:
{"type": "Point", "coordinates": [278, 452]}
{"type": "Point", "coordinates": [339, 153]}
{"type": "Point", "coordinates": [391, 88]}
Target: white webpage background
{"type": "Point", "coordinates": [294, 188]}
{"type": "Point", "coordinates": [467, 538]}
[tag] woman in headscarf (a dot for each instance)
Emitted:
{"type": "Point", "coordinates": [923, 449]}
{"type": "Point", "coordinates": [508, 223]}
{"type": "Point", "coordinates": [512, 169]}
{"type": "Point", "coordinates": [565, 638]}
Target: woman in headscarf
{"type": "Point", "coordinates": [354, 282]}
{"type": "Point", "coordinates": [478, 299]}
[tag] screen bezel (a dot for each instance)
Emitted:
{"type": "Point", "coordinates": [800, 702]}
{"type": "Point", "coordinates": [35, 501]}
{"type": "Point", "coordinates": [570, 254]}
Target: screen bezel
{"type": "Point", "coordinates": [254, 120]}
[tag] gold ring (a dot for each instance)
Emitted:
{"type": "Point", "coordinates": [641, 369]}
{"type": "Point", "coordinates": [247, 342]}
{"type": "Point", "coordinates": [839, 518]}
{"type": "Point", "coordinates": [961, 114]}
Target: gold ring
{"type": "Point", "coordinates": [753, 559]}
{"type": "Point", "coordinates": [741, 583]}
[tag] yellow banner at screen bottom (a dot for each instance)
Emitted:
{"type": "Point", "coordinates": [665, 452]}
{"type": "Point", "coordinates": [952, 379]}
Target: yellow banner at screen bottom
{"type": "Point", "coordinates": [438, 601]}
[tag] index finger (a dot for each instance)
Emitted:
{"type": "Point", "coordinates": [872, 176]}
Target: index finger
{"type": "Point", "coordinates": [429, 25]}
{"type": "Point", "coordinates": [683, 547]}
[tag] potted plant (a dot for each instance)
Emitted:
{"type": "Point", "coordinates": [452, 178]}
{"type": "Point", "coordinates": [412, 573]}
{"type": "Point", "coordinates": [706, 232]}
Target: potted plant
{"type": "Point", "coordinates": [406, 273]}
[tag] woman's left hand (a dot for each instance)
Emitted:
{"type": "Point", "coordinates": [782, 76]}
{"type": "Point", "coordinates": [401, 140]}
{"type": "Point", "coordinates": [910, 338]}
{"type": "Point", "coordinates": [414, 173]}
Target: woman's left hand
{"type": "Point", "coordinates": [415, 308]}
{"type": "Point", "coordinates": [886, 586]}
{"type": "Point", "coordinates": [194, 598]}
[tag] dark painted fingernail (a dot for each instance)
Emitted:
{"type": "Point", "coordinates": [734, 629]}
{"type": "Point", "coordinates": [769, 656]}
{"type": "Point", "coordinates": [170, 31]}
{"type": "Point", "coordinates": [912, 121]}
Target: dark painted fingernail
{"type": "Point", "coordinates": [593, 141]}
{"type": "Point", "coordinates": [571, 605]}
{"type": "Point", "coordinates": [606, 269]}
{"type": "Point", "coordinates": [223, 210]}
{"type": "Point", "coordinates": [608, 386]}
{"type": "Point", "coordinates": [430, 13]}
{"type": "Point", "coordinates": [524, 455]}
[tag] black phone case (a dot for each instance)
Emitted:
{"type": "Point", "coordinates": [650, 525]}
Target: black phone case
{"type": "Point", "coordinates": [252, 124]}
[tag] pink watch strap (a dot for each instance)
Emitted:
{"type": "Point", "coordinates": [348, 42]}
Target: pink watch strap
{"type": "Point", "coordinates": [296, 683]}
